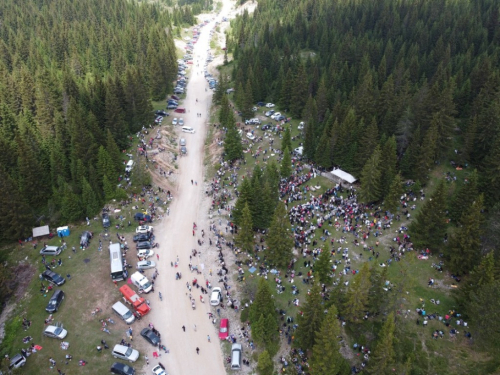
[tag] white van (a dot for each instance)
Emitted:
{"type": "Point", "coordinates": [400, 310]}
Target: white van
{"type": "Point", "coordinates": [187, 129]}
{"type": "Point", "coordinates": [236, 357]}
{"type": "Point", "coordinates": [141, 282]}
{"type": "Point", "coordinates": [121, 310]}
{"type": "Point", "coordinates": [129, 166]}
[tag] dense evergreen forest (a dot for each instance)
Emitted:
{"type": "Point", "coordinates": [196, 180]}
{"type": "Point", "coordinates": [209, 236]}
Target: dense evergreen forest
{"type": "Point", "coordinates": [384, 86]}
{"type": "Point", "coordinates": [76, 78]}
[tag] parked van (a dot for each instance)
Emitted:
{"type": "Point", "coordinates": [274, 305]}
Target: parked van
{"type": "Point", "coordinates": [236, 357]}
{"type": "Point", "coordinates": [124, 313]}
{"type": "Point", "coordinates": [141, 282]}
{"type": "Point", "coordinates": [129, 166]}
{"type": "Point", "coordinates": [188, 129]}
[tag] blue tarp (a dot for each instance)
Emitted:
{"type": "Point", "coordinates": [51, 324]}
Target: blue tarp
{"type": "Point", "coordinates": [252, 270]}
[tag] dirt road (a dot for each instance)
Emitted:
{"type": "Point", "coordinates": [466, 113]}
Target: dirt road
{"type": "Point", "coordinates": [175, 235]}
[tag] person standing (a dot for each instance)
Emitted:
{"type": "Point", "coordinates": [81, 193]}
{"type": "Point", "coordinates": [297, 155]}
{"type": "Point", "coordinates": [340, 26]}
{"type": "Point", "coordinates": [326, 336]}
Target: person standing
{"type": "Point", "coordinates": [147, 359]}
{"type": "Point", "coordinates": [184, 328]}
{"type": "Point", "coordinates": [208, 337]}
{"type": "Point", "coordinates": [197, 350]}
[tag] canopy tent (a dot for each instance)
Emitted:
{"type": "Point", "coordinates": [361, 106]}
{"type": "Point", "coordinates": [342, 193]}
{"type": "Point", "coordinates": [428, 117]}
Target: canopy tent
{"type": "Point", "coordinates": [343, 176]}
{"type": "Point", "coordinates": [41, 231]}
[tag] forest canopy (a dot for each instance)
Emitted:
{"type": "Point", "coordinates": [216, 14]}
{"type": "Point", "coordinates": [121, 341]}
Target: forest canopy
{"type": "Point", "coordinates": [76, 78]}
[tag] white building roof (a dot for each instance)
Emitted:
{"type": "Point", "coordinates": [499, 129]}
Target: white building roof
{"type": "Point", "coordinates": [344, 175]}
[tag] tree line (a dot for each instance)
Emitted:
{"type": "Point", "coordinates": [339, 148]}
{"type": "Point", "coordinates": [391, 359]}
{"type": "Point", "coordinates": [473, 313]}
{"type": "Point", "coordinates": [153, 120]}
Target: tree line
{"type": "Point", "coordinates": [76, 79]}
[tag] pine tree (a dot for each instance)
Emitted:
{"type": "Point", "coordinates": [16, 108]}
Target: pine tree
{"type": "Point", "coordinates": [465, 246]}
{"type": "Point", "coordinates": [279, 239]}
{"type": "Point", "coordinates": [286, 142]}
{"type": "Point", "coordinates": [357, 295]}
{"type": "Point", "coordinates": [369, 142]}
{"type": "Point", "coordinates": [286, 164]}
{"type": "Point", "coordinates": [113, 152]}
{"type": "Point", "coordinates": [392, 199]}
{"type": "Point", "coordinates": [247, 103]}
{"type": "Point", "coordinates": [326, 358]}
{"type": "Point", "coordinates": [429, 227]}
{"type": "Point", "coordinates": [322, 267]}
{"type": "Point", "coordinates": [482, 310]}
{"type": "Point", "coordinates": [377, 296]}
{"type": "Point", "coordinates": [323, 155]}
{"type": "Point", "coordinates": [464, 197]}
{"type": "Point", "coordinates": [108, 187]}
{"type": "Point", "coordinates": [244, 199]}
{"type": "Point", "coordinates": [389, 162]}
{"type": "Point", "coordinates": [232, 144]}
{"type": "Point", "coordinates": [259, 330]}
{"type": "Point", "coordinates": [309, 323]}
{"type": "Point", "coordinates": [298, 92]}
{"type": "Point", "coordinates": [427, 153]}
{"type": "Point", "coordinates": [490, 176]}
{"type": "Point", "coordinates": [90, 202]}
{"type": "Point", "coordinates": [383, 357]}
{"type": "Point", "coordinates": [263, 304]}
{"type": "Point", "coordinates": [265, 365]}
{"type": "Point", "coordinates": [245, 239]}
{"type": "Point", "coordinates": [371, 184]}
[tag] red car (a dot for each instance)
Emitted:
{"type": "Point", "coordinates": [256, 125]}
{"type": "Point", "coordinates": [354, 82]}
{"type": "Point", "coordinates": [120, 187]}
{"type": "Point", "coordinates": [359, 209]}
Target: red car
{"type": "Point", "coordinates": [224, 329]}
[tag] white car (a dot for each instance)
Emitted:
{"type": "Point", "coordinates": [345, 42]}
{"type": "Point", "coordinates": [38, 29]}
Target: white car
{"type": "Point", "coordinates": [276, 115]}
{"type": "Point", "coordinates": [146, 264]}
{"type": "Point", "coordinates": [126, 353]}
{"type": "Point", "coordinates": [145, 253]}
{"type": "Point", "coordinates": [269, 113]}
{"type": "Point", "coordinates": [216, 296]}
{"type": "Point", "coordinates": [181, 121]}
{"type": "Point", "coordinates": [174, 121]}
{"type": "Point", "coordinates": [55, 332]}
{"type": "Point", "coordinates": [250, 136]}
{"type": "Point", "coordinates": [144, 229]}
{"type": "Point", "coordinates": [269, 105]}
{"type": "Point", "coordinates": [255, 109]}
{"type": "Point", "coordinates": [159, 370]}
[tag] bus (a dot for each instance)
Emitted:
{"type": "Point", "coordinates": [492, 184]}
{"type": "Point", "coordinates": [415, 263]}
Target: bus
{"type": "Point", "coordinates": [115, 255]}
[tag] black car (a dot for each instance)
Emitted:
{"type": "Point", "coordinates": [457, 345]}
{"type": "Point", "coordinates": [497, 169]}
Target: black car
{"type": "Point", "coordinates": [161, 113]}
{"type": "Point", "coordinates": [105, 220]}
{"type": "Point", "coordinates": [139, 216]}
{"type": "Point", "coordinates": [150, 336]}
{"type": "Point", "coordinates": [53, 277]}
{"type": "Point", "coordinates": [121, 369]}
{"type": "Point", "coordinates": [55, 301]}
{"type": "Point", "coordinates": [142, 237]}
{"type": "Point", "coordinates": [266, 127]}
{"type": "Point", "coordinates": [144, 245]}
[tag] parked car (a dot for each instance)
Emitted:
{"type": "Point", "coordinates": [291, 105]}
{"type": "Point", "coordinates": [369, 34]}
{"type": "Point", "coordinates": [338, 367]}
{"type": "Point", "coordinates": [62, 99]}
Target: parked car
{"type": "Point", "coordinates": [139, 216]}
{"type": "Point", "coordinates": [161, 113]}
{"type": "Point", "coordinates": [182, 142]}
{"type": "Point", "coordinates": [180, 110]}
{"type": "Point", "coordinates": [53, 278]}
{"type": "Point", "coordinates": [181, 121]}
{"type": "Point", "coordinates": [146, 264]}
{"type": "Point", "coordinates": [280, 118]}
{"type": "Point", "coordinates": [85, 238]}
{"type": "Point", "coordinates": [177, 91]}
{"type": "Point", "coordinates": [171, 106]}
{"type": "Point", "coordinates": [121, 369]}
{"type": "Point", "coordinates": [184, 150]}
{"type": "Point", "coordinates": [55, 332]}
{"type": "Point", "coordinates": [51, 250]}
{"type": "Point", "coordinates": [17, 361]}
{"type": "Point", "coordinates": [255, 109]}
{"type": "Point", "coordinates": [261, 104]}
{"type": "Point", "coordinates": [144, 229]}
{"type": "Point", "coordinates": [150, 336]}
{"type": "Point", "coordinates": [224, 329]}
{"type": "Point", "coordinates": [125, 352]}
{"type": "Point", "coordinates": [174, 121]}
{"type": "Point", "coordinates": [144, 245]}
{"type": "Point", "coordinates": [216, 296]}
{"type": "Point", "coordinates": [269, 105]}
{"type": "Point", "coordinates": [269, 113]}
{"type": "Point", "coordinates": [159, 120]}
{"type": "Point", "coordinates": [55, 301]}
{"type": "Point", "coordinates": [250, 136]}
{"type": "Point", "coordinates": [105, 220]}
{"type": "Point", "coordinates": [145, 253]}
{"type": "Point", "coordinates": [175, 97]}
{"type": "Point", "coordinates": [142, 237]}
{"type": "Point", "coordinates": [276, 115]}
{"type": "Point", "coordinates": [301, 125]}
{"type": "Point", "coordinates": [266, 127]}
{"type": "Point", "coordinates": [159, 369]}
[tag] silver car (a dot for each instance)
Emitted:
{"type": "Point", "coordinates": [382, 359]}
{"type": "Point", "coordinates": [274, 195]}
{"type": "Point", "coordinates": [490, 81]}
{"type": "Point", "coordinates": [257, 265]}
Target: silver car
{"type": "Point", "coordinates": [146, 264]}
{"type": "Point", "coordinates": [126, 353]}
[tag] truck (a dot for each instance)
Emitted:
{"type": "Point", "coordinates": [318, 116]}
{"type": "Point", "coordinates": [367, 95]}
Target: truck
{"type": "Point", "coordinates": [141, 282]}
{"type": "Point", "coordinates": [132, 298]}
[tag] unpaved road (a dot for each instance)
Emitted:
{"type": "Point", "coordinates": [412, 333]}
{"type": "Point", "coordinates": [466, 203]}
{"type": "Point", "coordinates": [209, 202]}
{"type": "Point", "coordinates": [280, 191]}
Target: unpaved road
{"type": "Point", "coordinates": [174, 233]}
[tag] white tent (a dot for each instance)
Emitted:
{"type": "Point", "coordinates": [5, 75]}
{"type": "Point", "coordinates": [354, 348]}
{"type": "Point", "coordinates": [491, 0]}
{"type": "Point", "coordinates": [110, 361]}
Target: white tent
{"type": "Point", "coordinates": [41, 231]}
{"type": "Point", "coordinates": [343, 176]}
